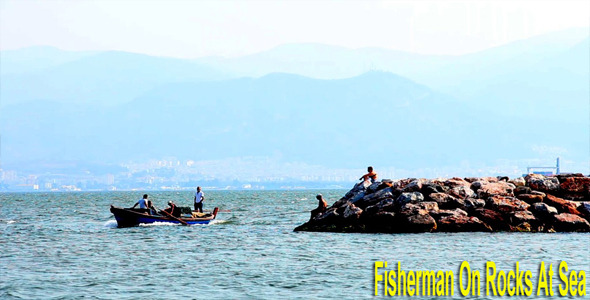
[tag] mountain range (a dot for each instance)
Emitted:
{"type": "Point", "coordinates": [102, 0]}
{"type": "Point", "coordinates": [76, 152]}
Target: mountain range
{"type": "Point", "coordinates": [315, 104]}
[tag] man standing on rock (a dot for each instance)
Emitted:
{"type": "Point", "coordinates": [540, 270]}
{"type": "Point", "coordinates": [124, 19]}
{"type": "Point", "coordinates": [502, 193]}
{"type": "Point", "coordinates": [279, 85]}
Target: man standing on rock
{"type": "Point", "coordinates": [199, 198]}
{"type": "Point", "coordinates": [370, 175]}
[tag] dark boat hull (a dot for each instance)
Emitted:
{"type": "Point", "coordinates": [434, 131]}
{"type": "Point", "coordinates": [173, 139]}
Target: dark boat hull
{"type": "Point", "coordinates": [129, 217]}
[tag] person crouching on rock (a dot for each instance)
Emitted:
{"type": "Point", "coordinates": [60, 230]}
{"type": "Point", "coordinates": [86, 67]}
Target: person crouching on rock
{"type": "Point", "coordinates": [322, 205]}
{"type": "Point", "coordinates": [371, 175]}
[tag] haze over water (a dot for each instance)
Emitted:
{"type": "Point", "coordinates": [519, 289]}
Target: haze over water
{"type": "Point", "coordinates": [67, 246]}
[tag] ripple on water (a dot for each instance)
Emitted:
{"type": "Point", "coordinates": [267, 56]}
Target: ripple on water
{"type": "Point", "coordinates": [250, 251]}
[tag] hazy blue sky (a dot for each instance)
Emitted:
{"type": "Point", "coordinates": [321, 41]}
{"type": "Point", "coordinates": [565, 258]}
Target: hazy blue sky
{"type": "Point", "coordinates": [191, 29]}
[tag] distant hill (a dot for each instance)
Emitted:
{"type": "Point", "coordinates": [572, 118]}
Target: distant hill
{"type": "Point", "coordinates": [524, 100]}
{"type": "Point", "coordinates": [379, 117]}
{"type": "Point", "coordinates": [102, 78]}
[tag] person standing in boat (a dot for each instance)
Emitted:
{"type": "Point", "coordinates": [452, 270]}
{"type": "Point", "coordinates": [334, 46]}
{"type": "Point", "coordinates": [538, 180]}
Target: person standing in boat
{"type": "Point", "coordinates": [371, 175]}
{"type": "Point", "coordinates": [199, 198]}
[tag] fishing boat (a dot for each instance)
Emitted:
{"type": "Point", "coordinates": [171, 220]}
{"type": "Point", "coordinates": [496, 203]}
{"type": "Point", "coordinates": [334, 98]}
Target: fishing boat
{"type": "Point", "coordinates": [128, 217]}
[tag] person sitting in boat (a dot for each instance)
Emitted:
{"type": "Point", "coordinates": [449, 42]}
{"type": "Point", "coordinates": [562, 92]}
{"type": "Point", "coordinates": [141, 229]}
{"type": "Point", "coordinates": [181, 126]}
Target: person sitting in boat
{"type": "Point", "coordinates": [199, 198]}
{"type": "Point", "coordinates": [145, 204]}
{"type": "Point", "coordinates": [371, 175]}
{"type": "Point", "coordinates": [322, 205]}
{"type": "Point", "coordinates": [173, 209]}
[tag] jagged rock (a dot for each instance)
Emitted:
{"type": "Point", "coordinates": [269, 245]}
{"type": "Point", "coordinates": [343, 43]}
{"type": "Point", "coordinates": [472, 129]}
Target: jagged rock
{"type": "Point", "coordinates": [352, 212]}
{"type": "Point", "coordinates": [519, 181]}
{"type": "Point", "coordinates": [373, 187]}
{"type": "Point", "coordinates": [562, 205]}
{"type": "Point", "coordinates": [340, 202]}
{"type": "Point", "coordinates": [446, 201]}
{"type": "Point", "coordinates": [543, 209]}
{"type": "Point", "coordinates": [584, 209]}
{"type": "Point", "coordinates": [576, 185]}
{"type": "Point", "coordinates": [413, 197]}
{"type": "Point", "coordinates": [570, 222]}
{"type": "Point", "coordinates": [563, 176]}
{"type": "Point", "coordinates": [419, 208]}
{"type": "Point", "coordinates": [530, 198]}
{"type": "Point", "coordinates": [538, 193]}
{"type": "Point", "coordinates": [359, 196]}
{"type": "Point", "coordinates": [492, 218]}
{"type": "Point", "coordinates": [522, 190]}
{"type": "Point", "coordinates": [495, 188]}
{"type": "Point", "coordinates": [456, 182]}
{"type": "Point", "coordinates": [382, 222]}
{"type": "Point", "coordinates": [473, 203]}
{"type": "Point", "coordinates": [373, 198]}
{"type": "Point", "coordinates": [522, 216]}
{"type": "Point", "coordinates": [431, 188]}
{"type": "Point", "coordinates": [462, 224]}
{"type": "Point", "coordinates": [414, 186]}
{"type": "Point", "coordinates": [384, 205]}
{"type": "Point", "coordinates": [542, 183]}
{"type": "Point", "coordinates": [462, 192]}
{"type": "Point", "coordinates": [328, 216]}
{"type": "Point", "coordinates": [418, 223]}
{"type": "Point", "coordinates": [359, 187]}
{"type": "Point", "coordinates": [441, 213]}
{"type": "Point", "coordinates": [506, 204]}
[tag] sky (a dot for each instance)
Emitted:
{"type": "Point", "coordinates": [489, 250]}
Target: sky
{"type": "Point", "coordinates": [192, 29]}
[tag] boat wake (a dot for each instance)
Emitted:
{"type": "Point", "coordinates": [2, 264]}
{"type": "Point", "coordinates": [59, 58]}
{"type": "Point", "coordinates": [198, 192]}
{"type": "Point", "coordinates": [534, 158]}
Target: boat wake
{"type": "Point", "coordinates": [159, 224]}
{"type": "Point", "coordinates": [110, 224]}
{"type": "Point", "coordinates": [217, 222]}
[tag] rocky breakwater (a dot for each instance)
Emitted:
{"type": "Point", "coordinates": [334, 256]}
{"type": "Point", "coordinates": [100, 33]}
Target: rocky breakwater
{"type": "Point", "coordinates": [535, 203]}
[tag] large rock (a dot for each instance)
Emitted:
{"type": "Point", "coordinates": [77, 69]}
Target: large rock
{"type": "Point", "coordinates": [352, 212]}
{"type": "Point", "coordinates": [415, 185]}
{"type": "Point", "coordinates": [501, 188]}
{"type": "Point", "coordinates": [418, 223]}
{"type": "Point", "coordinates": [413, 197]}
{"type": "Point", "coordinates": [330, 215]}
{"type": "Point", "coordinates": [570, 222]}
{"type": "Point", "coordinates": [492, 218]}
{"type": "Point", "coordinates": [519, 181]}
{"type": "Point", "coordinates": [456, 182]}
{"type": "Point", "coordinates": [530, 198]}
{"type": "Point", "coordinates": [522, 190]}
{"type": "Point", "coordinates": [373, 198]}
{"type": "Point", "coordinates": [446, 201]}
{"type": "Point", "coordinates": [462, 192]}
{"type": "Point", "coordinates": [584, 209]}
{"type": "Point", "coordinates": [506, 204]}
{"type": "Point", "coordinates": [522, 216]}
{"type": "Point", "coordinates": [541, 183]}
{"type": "Point", "coordinates": [386, 222]}
{"type": "Point", "coordinates": [431, 188]}
{"type": "Point", "coordinates": [543, 211]}
{"type": "Point", "coordinates": [562, 205]}
{"type": "Point", "coordinates": [384, 205]}
{"type": "Point", "coordinates": [462, 224]}
{"type": "Point", "coordinates": [576, 185]}
{"type": "Point", "coordinates": [471, 204]}
{"type": "Point", "coordinates": [442, 213]}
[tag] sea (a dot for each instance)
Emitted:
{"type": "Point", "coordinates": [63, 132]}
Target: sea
{"type": "Point", "coordinates": [67, 246]}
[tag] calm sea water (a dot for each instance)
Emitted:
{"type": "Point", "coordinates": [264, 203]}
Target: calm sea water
{"type": "Point", "coordinates": [67, 246]}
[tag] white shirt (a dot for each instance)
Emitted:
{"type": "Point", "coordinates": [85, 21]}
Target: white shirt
{"type": "Point", "coordinates": [143, 203]}
{"type": "Point", "coordinates": [199, 197]}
